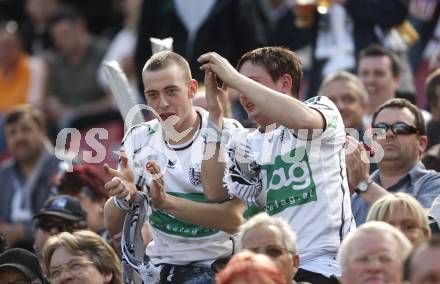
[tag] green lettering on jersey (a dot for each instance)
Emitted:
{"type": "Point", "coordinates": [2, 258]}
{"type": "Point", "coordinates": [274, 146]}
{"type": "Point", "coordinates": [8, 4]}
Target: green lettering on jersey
{"type": "Point", "coordinates": [289, 182]}
{"type": "Point", "coordinates": [173, 226]}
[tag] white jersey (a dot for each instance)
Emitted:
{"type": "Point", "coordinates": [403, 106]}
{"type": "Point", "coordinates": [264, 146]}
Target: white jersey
{"type": "Point", "coordinates": [302, 181]}
{"type": "Point", "coordinates": [176, 241]}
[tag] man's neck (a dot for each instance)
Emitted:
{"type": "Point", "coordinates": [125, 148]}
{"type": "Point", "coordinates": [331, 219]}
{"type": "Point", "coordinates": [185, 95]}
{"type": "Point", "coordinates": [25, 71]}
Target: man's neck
{"type": "Point", "coordinates": [192, 123]}
{"type": "Point", "coordinates": [391, 172]}
{"type": "Point", "coordinates": [374, 103]}
{"type": "Point", "coordinates": [28, 166]}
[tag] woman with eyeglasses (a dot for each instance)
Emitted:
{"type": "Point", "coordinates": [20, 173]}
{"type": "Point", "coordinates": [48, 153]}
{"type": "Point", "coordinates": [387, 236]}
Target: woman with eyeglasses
{"type": "Point", "coordinates": [403, 212]}
{"type": "Point", "coordinates": [81, 257]}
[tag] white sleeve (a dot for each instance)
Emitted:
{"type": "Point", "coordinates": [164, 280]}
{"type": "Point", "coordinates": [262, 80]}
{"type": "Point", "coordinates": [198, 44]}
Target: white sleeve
{"type": "Point", "coordinates": [243, 174]}
{"type": "Point", "coordinates": [333, 123]}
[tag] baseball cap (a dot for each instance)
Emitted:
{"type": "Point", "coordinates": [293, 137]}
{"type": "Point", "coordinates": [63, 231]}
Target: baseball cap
{"type": "Point", "coordinates": [63, 206]}
{"type": "Point", "coordinates": [23, 260]}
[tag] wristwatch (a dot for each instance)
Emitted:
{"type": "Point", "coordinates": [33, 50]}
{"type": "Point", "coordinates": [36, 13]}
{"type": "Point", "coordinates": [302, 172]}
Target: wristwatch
{"type": "Point", "coordinates": [363, 185]}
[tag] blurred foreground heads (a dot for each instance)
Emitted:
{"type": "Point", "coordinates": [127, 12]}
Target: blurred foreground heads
{"type": "Point", "coordinates": [374, 253]}
{"type": "Point", "coordinates": [250, 268]}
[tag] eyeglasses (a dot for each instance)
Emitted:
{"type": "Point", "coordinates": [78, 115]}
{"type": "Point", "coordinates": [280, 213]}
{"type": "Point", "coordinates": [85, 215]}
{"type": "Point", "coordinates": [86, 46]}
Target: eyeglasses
{"type": "Point", "coordinates": [271, 251]}
{"type": "Point", "coordinates": [73, 267]}
{"type": "Point", "coordinates": [46, 224]}
{"type": "Point", "coordinates": [398, 128]}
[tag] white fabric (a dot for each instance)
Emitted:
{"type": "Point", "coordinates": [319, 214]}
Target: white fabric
{"type": "Point", "coordinates": [37, 80]}
{"type": "Point", "coordinates": [193, 13]}
{"type": "Point", "coordinates": [121, 47]}
{"type": "Point", "coordinates": [335, 40]}
{"type": "Point", "coordinates": [174, 243]}
{"type": "Point", "coordinates": [308, 188]}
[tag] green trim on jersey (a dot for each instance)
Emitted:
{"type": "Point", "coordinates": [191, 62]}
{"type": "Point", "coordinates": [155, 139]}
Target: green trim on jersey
{"type": "Point", "coordinates": [173, 226]}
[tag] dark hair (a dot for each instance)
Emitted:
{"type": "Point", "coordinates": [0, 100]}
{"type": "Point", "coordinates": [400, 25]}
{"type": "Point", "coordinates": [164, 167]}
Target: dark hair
{"type": "Point", "coordinates": [431, 84]}
{"type": "Point", "coordinates": [375, 50]}
{"type": "Point", "coordinates": [277, 61]}
{"type": "Point", "coordinates": [433, 242]}
{"type": "Point", "coordinates": [164, 59]}
{"type": "Point", "coordinates": [21, 111]}
{"type": "Point", "coordinates": [431, 158]}
{"type": "Point", "coordinates": [82, 178]}
{"type": "Point", "coordinates": [66, 13]}
{"type": "Point", "coordinates": [400, 104]}
{"type": "Point", "coordinates": [3, 243]}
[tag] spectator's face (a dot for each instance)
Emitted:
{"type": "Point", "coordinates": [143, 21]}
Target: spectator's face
{"type": "Point", "coordinates": [24, 139]}
{"type": "Point", "coordinates": [376, 74]}
{"type": "Point", "coordinates": [268, 240]}
{"type": "Point", "coordinates": [42, 231]}
{"type": "Point", "coordinates": [373, 258]}
{"type": "Point", "coordinates": [170, 95]}
{"type": "Point", "coordinates": [425, 268]}
{"type": "Point", "coordinates": [9, 50]}
{"type": "Point", "coordinates": [345, 96]}
{"type": "Point", "coordinates": [405, 149]}
{"type": "Point", "coordinates": [40, 10]}
{"type": "Point", "coordinates": [260, 75]}
{"type": "Point", "coordinates": [66, 36]}
{"type": "Point", "coordinates": [95, 212]}
{"type": "Point", "coordinates": [407, 224]}
{"type": "Point", "coordinates": [13, 275]}
{"type": "Point", "coordinates": [65, 267]}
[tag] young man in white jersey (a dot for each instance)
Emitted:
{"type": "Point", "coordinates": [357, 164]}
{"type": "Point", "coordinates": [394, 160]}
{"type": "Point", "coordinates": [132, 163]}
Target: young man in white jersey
{"type": "Point", "coordinates": [292, 166]}
{"type": "Point", "coordinates": [189, 234]}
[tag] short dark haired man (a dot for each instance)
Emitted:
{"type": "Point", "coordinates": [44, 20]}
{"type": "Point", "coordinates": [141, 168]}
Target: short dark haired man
{"type": "Point", "coordinates": [379, 71]}
{"type": "Point", "coordinates": [26, 178]}
{"type": "Point", "coordinates": [400, 169]}
{"type": "Point", "coordinates": [272, 169]}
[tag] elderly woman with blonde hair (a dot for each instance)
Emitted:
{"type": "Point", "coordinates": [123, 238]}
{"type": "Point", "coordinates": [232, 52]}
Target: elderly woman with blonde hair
{"type": "Point", "coordinates": [403, 212]}
{"type": "Point", "coordinates": [82, 256]}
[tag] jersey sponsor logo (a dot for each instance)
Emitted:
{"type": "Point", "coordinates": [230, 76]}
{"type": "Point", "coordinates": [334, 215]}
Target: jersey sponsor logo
{"type": "Point", "coordinates": [171, 164]}
{"type": "Point", "coordinates": [194, 174]}
{"type": "Point", "coordinates": [289, 181]}
{"type": "Point", "coordinates": [173, 226]}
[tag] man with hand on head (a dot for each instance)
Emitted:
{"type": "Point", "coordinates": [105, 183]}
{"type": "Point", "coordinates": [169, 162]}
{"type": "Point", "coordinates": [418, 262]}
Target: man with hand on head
{"type": "Point", "coordinates": [293, 165]}
{"type": "Point", "coordinates": [159, 178]}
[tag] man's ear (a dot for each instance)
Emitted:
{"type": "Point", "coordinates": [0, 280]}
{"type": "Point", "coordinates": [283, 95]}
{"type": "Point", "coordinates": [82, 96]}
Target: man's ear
{"type": "Point", "coordinates": [295, 260]}
{"type": "Point", "coordinates": [423, 143]}
{"type": "Point", "coordinates": [193, 87]}
{"type": "Point", "coordinates": [108, 277]}
{"type": "Point", "coordinates": [286, 83]}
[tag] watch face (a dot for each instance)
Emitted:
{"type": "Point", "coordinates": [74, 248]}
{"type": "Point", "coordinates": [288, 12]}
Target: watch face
{"type": "Point", "coordinates": [362, 186]}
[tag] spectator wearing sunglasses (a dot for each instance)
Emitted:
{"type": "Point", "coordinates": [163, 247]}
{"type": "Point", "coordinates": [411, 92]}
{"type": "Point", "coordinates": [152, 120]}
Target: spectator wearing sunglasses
{"type": "Point", "coordinates": [60, 213]}
{"type": "Point", "coordinates": [401, 134]}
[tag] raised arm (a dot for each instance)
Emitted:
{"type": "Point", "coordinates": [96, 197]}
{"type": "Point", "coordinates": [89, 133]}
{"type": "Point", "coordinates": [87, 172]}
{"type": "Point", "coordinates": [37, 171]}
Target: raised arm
{"type": "Point", "coordinates": [226, 216]}
{"type": "Point", "coordinates": [358, 170]}
{"type": "Point", "coordinates": [121, 188]}
{"type": "Point", "coordinates": [281, 108]}
{"type": "Point", "coordinates": [213, 165]}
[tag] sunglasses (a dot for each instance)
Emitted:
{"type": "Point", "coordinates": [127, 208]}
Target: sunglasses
{"type": "Point", "coordinates": [398, 128]}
